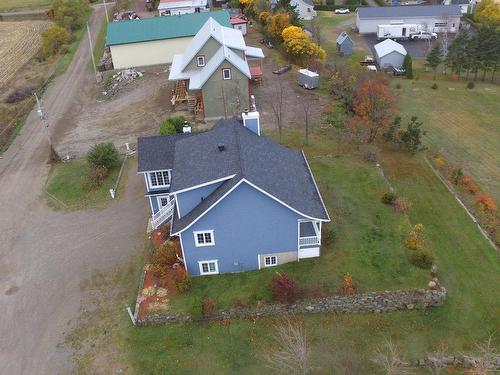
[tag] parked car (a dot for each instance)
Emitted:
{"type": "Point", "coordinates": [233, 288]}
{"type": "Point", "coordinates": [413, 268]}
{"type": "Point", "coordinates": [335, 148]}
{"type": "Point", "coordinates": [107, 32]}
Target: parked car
{"type": "Point", "coordinates": [341, 11]}
{"type": "Point", "coordinates": [397, 71]}
{"type": "Point", "coordinates": [372, 68]}
{"type": "Point", "coordinates": [423, 35]}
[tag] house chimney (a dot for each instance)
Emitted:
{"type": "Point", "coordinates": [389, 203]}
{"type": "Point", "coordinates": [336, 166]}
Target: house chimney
{"type": "Point", "coordinates": [251, 120]}
{"type": "Point", "coordinates": [221, 147]}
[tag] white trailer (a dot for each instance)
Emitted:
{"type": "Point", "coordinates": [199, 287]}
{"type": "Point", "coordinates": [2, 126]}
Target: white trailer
{"type": "Point", "coordinates": [397, 31]}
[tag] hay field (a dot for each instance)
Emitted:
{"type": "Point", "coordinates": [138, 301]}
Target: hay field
{"type": "Point", "coordinates": [20, 41]}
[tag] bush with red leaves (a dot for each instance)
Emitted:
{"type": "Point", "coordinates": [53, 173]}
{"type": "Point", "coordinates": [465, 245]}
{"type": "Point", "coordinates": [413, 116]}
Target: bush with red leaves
{"type": "Point", "coordinates": [284, 288]}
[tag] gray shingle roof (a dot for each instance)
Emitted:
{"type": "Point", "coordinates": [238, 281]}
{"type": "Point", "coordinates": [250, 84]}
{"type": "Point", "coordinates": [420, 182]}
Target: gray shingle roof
{"type": "Point", "coordinates": [279, 171]}
{"type": "Point", "coordinates": [462, 2]}
{"type": "Point", "coordinates": [409, 11]}
{"type": "Point", "coordinates": [157, 152]}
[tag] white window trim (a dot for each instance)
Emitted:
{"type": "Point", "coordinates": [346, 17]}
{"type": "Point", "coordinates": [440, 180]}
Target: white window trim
{"type": "Point", "coordinates": [159, 198]}
{"type": "Point", "coordinates": [230, 74]}
{"type": "Point", "coordinates": [198, 61]}
{"type": "Point", "coordinates": [197, 244]}
{"type": "Point", "coordinates": [200, 263]}
{"type": "Point", "coordinates": [150, 183]}
{"type": "Point", "coordinates": [270, 260]}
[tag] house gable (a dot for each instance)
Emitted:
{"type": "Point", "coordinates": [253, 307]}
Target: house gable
{"type": "Point", "coordinates": [208, 50]}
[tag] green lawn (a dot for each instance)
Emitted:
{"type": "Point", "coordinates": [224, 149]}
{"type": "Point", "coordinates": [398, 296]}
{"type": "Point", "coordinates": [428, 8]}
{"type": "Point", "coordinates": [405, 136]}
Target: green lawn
{"type": "Point", "coordinates": [369, 243]}
{"type": "Point", "coordinates": [65, 183]}
{"type": "Point", "coordinates": [461, 123]}
{"type": "Point", "coordinates": [100, 43]}
{"type": "Point", "coordinates": [14, 4]}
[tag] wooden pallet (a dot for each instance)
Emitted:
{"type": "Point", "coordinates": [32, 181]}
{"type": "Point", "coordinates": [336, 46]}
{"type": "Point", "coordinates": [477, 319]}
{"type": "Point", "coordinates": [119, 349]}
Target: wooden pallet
{"type": "Point", "coordinates": [180, 92]}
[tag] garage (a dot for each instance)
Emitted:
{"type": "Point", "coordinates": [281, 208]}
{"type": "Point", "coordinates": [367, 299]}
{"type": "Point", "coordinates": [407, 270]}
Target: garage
{"type": "Point", "coordinates": [154, 41]}
{"type": "Point", "coordinates": [389, 54]}
{"type": "Point", "coordinates": [433, 18]}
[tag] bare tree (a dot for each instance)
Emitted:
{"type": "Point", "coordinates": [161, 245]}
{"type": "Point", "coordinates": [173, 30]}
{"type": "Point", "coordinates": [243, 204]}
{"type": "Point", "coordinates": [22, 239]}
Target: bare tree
{"type": "Point", "coordinates": [316, 30]}
{"type": "Point", "coordinates": [484, 363]}
{"type": "Point", "coordinates": [390, 360]}
{"type": "Point", "coordinates": [290, 353]}
{"type": "Point", "coordinates": [277, 102]}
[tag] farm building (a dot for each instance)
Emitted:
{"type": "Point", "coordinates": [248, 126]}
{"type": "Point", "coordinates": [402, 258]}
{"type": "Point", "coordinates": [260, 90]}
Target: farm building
{"type": "Point", "coordinates": [239, 24]}
{"type": "Point", "coordinates": [177, 7]}
{"type": "Point", "coordinates": [344, 44]}
{"type": "Point", "coordinates": [389, 53]}
{"type": "Point", "coordinates": [157, 40]}
{"type": "Point", "coordinates": [434, 18]}
{"type": "Point", "coordinates": [213, 74]}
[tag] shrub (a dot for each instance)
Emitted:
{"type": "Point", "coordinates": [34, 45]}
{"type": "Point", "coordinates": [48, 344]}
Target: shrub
{"type": "Point", "coordinates": [401, 204]}
{"type": "Point", "coordinates": [55, 40]}
{"type": "Point", "coordinates": [348, 287]}
{"type": "Point", "coordinates": [370, 153]}
{"type": "Point", "coordinates": [414, 239]}
{"type": "Point", "coordinates": [172, 125]}
{"type": "Point", "coordinates": [163, 258]}
{"type": "Point", "coordinates": [182, 280]}
{"type": "Point", "coordinates": [398, 85]}
{"type": "Point", "coordinates": [422, 259]}
{"type": "Point", "coordinates": [470, 85]}
{"type": "Point", "coordinates": [456, 176]}
{"type": "Point", "coordinates": [95, 178]}
{"type": "Point", "coordinates": [408, 66]}
{"type": "Point", "coordinates": [20, 93]}
{"type": "Point", "coordinates": [388, 197]}
{"type": "Point", "coordinates": [327, 235]}
{"type": "Point", "coordinates": [469, 184]}
{"type": "Point", "coordinates": [284, 288]}
{"type": "Point", "coordinates": [486, 202]}
{"type": "Point", "coordinates": [434, 86]}
{"type": "Point", "coordinates": [208, 308]}
{"type": "Point", "coordinates": [103, 155]}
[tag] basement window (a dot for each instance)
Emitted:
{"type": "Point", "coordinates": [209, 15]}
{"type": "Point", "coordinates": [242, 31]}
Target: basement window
{"type": "Point", "coordinates": [208, 267]}
{"type": "Point", "coordinates": [226, 73]}
{"type": "Point", "coordinates": [200, 60]}
{"type": "Point", "coordinates": [270, 261]}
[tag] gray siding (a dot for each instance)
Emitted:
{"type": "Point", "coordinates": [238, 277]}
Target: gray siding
{"type": "Point", "coordinates": [246, 223]}
{"type": "Point", "coordinates": [208, 50]}
{"type": "Point", "coordinates": [394, 59]}
{"type": "Point", "coordinates": [190, 199]}
{"type": "Point", "coordinates": [225, 98]}
{"type": "Point", "coordinates": [345, 47]}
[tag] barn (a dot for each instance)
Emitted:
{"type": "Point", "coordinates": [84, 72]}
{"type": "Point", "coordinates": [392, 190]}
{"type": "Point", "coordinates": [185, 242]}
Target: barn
{"type": "Point", "coordinates": [154, 41]}
{"type": "Point", "coordinates": [389, 54]}
{"type": "Point", "coordinates": [434, 18]}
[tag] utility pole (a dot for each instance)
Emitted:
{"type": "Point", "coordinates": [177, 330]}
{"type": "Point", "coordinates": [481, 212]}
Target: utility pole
{"type": "Point", "coordinates": [92, 52]}
{"type": "Point", "coordinates": [45, 124]}
{"type": "Point", "coordinates": [106, 10]}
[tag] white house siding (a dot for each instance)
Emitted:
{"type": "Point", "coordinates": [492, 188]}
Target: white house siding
{"type": "Point", "coordinates": [147, 53]}
{"type": "Point", "coordinates": [306, 11]}
{"type": "Point", "coordinates": [369, 25]}
{"type": "Point", "coordinates": [242, 27]}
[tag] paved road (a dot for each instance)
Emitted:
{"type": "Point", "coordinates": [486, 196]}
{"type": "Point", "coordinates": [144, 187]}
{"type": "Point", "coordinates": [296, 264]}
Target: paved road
{"type": "Point", "coordinates": [44, 255]}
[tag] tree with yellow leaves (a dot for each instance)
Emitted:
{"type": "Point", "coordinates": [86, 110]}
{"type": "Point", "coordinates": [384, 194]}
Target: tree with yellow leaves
{"type": "Point", "coordinates": [276, 23]}
{"type": "Point", "coordinates": [300, 47]}
{"type": "Point", "coordinates": [488, 11]}
{"type": "Point", "coordinates": [248, 7]}
{"type": "Point", "coordinates": [263, 17]}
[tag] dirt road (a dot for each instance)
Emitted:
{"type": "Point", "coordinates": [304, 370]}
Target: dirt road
{"type": "Point", "coordinates": [45, 255]}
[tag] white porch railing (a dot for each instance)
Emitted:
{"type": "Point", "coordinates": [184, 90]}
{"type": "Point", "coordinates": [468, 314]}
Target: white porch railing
{"type": "Point", "coordinates": [163, 214]}
{"type": "Point", "coordinates": [306, 241]}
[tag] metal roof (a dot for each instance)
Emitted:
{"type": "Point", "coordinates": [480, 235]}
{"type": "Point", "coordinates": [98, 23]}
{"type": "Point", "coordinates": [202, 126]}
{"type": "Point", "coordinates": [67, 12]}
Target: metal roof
{"type": "Point", "coordinates": [409, 11]}
{"type": "Point", "coordinates": [343, 37]}
{"type": "Point", "coordinates": [158, 28]}
{"type": "Point", "coordinates": [281, 172]}
{"type": "Point", "coordinates": [388, 46]}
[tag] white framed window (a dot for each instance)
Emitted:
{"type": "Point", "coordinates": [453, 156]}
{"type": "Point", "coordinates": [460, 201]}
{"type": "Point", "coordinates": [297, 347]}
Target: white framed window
{"type": "Point", "coordinates": [204, 238]}
{"type": "Point", "coordinates": [270, 261]}
{"type": "Point", "coordinates": [162, 200]}
{"type": "Point", "coordinates": [200, 60]}
{"type": "Point", "coordinates": [159, 179]}
{"type": "Point", "coordinates": [226, 73]}
{"type": "Point", "coordinates": [209, 267]}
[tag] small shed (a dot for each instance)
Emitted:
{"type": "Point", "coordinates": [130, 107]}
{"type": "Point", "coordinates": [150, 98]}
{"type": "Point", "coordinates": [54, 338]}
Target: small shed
{"type": "Point", "coordinates": [308, 79]}
{"type": "Point", "coordinates": [389, 53]}
{"type": "Point", "coordinates": [344, 44]}
{"type": "Point", "coordinates": [239, 24]}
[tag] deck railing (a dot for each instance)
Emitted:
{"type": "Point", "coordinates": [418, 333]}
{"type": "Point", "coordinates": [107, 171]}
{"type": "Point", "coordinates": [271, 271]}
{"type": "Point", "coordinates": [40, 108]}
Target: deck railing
{"type": "Point", "coordinates": [163, 214]}
{"type": "Point", "coordinates": [306, 241]}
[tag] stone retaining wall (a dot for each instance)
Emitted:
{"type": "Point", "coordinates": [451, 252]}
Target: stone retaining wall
{"type": "Point", "coordinates": [373, 302]}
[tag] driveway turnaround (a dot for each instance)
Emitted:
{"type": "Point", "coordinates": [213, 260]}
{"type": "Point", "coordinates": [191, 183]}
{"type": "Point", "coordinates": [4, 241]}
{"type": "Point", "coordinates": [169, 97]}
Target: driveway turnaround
{"type": "Point", "coordinates": [45, 255]}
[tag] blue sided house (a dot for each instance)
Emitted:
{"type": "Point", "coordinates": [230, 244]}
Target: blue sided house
{"type": "Point", "coordinates": [237, 200]}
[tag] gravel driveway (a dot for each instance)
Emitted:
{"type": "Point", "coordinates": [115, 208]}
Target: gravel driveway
{"type": "Point", "coordinates": [45, 255]}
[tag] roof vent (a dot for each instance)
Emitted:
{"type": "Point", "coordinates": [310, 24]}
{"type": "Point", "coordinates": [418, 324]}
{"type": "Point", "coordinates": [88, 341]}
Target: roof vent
{"type": "Point", "coordinates": [221, 147]}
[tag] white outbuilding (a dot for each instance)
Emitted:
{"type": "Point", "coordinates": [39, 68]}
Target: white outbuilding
{"type": "Point", "coordinates": [389, 54]}
{"type": "Point", "coordinates": [432, 18]}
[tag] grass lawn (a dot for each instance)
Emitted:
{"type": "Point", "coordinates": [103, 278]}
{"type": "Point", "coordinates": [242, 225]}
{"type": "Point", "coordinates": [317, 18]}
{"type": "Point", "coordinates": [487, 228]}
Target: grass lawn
{"type": "Point", "coordinates": [65, 183]}
{"type": "Point", "coordinates": [461, 123]}
{"type": "Point", "coordinates": [14, 4]}
{"type": "Point", "coordinates": [100, 43]}
{"type": "Point", "coordinates": [369, 243]}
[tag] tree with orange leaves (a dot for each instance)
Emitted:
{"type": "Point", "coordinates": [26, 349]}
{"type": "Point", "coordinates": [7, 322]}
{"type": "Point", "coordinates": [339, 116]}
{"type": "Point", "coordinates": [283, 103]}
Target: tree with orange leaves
{"type": "Point", "coordinates": [374, 106]}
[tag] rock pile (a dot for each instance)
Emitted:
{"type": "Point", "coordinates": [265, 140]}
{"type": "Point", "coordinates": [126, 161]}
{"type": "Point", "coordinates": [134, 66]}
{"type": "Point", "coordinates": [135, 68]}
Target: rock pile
{"type": "Point", "coordinates": [120, 80]}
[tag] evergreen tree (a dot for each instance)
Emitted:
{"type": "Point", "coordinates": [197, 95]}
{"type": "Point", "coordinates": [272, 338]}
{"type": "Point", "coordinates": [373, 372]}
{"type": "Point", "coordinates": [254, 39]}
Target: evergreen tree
{"type": "Point", "coordinates": [434, 58]}
{"type": "Point", "coordinates": [457, 52]}
{"type": "Point", "coordinates": [411, 137]}
{"type": "Point", "coordinates": [285, 6]}
{"type": "Point", "coordinates": [408, 66]}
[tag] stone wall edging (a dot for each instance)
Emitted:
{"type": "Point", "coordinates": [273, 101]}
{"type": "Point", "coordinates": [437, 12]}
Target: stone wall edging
{"type": "Point", "coordinates": [371, 302]}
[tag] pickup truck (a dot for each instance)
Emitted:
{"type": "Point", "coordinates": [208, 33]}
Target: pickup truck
{"type": "Point", "coordinates": [423, 35]}
{"type": "Point", "coordinates": [341, 11]}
